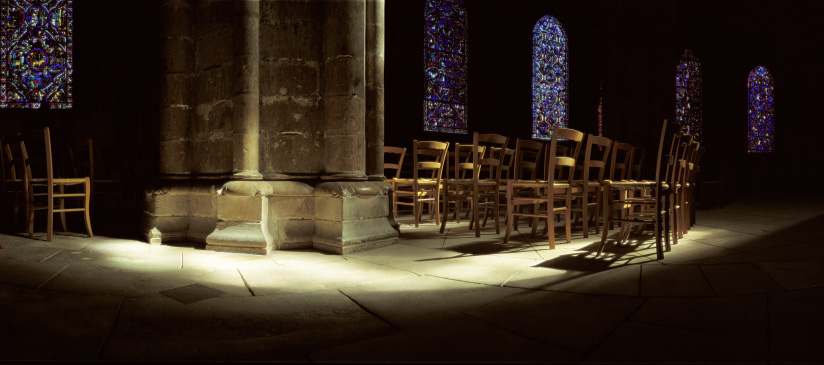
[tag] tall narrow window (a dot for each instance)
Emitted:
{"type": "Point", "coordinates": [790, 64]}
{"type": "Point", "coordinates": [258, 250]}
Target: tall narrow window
{"type": "Point", "coordinates": [688, 106]}
{"type": "Point", "coordinates": [444, 53]}
{"type": "Point", "coordinates": [36, 54]}
{"type": "Point", "coordinates": [761, 132]}
{"type": "Point", "coordinates": [550, 75]}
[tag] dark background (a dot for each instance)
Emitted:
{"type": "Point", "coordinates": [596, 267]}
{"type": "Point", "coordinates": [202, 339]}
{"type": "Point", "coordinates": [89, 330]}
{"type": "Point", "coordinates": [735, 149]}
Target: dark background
{"type": "Point", "coordinates": [634, 47]}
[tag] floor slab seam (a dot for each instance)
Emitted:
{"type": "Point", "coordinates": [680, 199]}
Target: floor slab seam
{"type": "Point", "coordinates": [525, 336]}
{"type": "Point", "coordinates": [53, 276]}
{"type": "Point", "coordinates": [385, 265]}
{"type": "Point", "coordinates": [368, 311]}
{"type": "Point", "coordinates": [611, 332]}
{"type": "Point", "coordinates": [707, 280]}
{"type": "Point", "coordinates": [99, 352]}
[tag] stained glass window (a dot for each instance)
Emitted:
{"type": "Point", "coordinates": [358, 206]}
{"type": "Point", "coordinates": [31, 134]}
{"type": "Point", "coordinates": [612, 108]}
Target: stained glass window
{"type": "Point", "coordinates": [36, 53]}
{"type": "Point", "coordinates": [444, 53]}
{"type": "Point", "coordinates": [761, 131]}
{"type": "Point", "coordinates": [688, 107]}
{"type": "Point", "coordinates": [550, 75]}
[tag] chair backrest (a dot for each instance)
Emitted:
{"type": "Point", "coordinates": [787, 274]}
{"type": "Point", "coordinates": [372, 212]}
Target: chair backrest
{"type": "Point", "coordinates": [397, 154]}
{"type": "Point", "coordinates": [36, 150]}
{"type": "Point", "coordinates": [428, 159]}
{"type": "Point", "coordinates": [594, 164]}
{"type": "Point", "coordinates": [81, 159]}
{"type": "Point", "coordinates": [488, 167]}
{"type": "Point", "coordinates": [461, 160]}
{"type": "Point", "coordinates": [637, 164]}
{"type": "Point", "coordinates": [509, 162]}
{"type": "Point", "coordinates": [527, 159]}
{"type": "Point", "coordinates": [560, 165]}
{"type": "Point", "coordinates": [620, 161]}
{"type": "Point", "coordinates": [671, 132]}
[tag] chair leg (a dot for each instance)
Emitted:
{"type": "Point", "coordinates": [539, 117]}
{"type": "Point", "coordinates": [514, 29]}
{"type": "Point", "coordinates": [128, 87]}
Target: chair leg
{"type": "Point", "coordinates": [62, 190]}
{"type": "Point", "coordinates": [50, 216]}
{"type": "Point", "coordinates": [509, 217]}
{"type": "Point", "coordinates": [607, 205]}
{"type": "Point", "coordinates": [86, 211]}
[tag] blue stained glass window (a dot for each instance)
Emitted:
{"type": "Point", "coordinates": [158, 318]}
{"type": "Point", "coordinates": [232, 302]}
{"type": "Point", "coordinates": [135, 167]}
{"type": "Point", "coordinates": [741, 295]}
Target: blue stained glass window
{"type": "Point", "coordinates": [445, 56]}
{"type": "Point", "coordinates": [688, 108]}
{"type": "Point", "coordinates": [36, 53]}
{"type": "Point", "coordinates": [550, 76]}
{"type": "Point", "coordinates": [760, 97]}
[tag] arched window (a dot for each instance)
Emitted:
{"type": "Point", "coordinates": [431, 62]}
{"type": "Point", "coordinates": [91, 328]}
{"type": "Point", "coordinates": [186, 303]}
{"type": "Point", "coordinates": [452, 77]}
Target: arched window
{"type": "Point", "coordinates": [444, 53]}
{"type": "Point", "coordinates": [688, 106]}
{"type": "Point", "coordinates": [550, 75]}
{"type": "Point", "coordinates": [761, 131]}
{"type": "Point", "coordinates": [36, 54]}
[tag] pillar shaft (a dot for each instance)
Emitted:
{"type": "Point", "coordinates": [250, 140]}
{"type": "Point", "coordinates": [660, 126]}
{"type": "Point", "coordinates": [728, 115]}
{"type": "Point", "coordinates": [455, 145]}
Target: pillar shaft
{"type": "Point", "coordinates": [176, 79]}
{"type": "Point", "coordinates": [374, 88]}
{"type": "Point", "coordinates": [246, 97]}
{"type": "Point", "coordinates": [344, 91]}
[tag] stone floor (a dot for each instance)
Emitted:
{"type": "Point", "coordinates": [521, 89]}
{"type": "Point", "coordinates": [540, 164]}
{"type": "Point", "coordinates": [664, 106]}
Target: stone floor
{"type": "Point", "coordinates": [745, 285]}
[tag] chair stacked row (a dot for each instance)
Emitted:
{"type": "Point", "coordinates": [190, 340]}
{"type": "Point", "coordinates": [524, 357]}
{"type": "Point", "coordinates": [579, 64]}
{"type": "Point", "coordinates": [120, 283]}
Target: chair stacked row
{"type": "Point", "coordinates": [545, 181]}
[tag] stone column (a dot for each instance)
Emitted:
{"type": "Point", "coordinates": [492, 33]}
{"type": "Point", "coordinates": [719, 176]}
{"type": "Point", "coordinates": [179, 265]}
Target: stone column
{"type": "Point", "coordinates": [176, 80]}
{"type": "Point", "coordinates": [246, 99]}
{"type": "Point", "coordinates": [374, 88]}
{"type": "Point", "coordinates": [344, 90]}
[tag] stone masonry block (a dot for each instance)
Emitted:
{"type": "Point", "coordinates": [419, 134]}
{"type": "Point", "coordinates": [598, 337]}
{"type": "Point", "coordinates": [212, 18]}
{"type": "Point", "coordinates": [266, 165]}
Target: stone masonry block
{"type": "Point", "coordinates": [173, 157]}
{"type": "Point", "coordinates": [344, 75]}
{"type": "Point", "coordinates": [200, 228]}
{"type": "Point", "coordinates": [175, 89]}
{"type": "Point", "coordinates": [300, 207]}
{"type": "Point", "coordinates": [291, 153]}
{"type": "Point", "coordinates": [329, 208]}
{"type": "Point", "coordinates": [203, 205]}
{"type": "Point", "coordinates": [345, 153]}
{"type": "Point", "coordinates": [169, 205]}
{"type": "Point", "coordinates": [291, 231]}
{"type": "Point", "coordinates": [345, 113]}
{"type": "Point", "coordinates": [239, 208]}
{"type": "Point", "coordinates": [292, 114]}
{"type": "Point", "coordinates": [213, 84]}
{"type": "Point", "coordinates": [174, 123]}
{"type": "Point", "coordinates": [212, 156]}
{"type": "Point", "coordinates": [212, 120]}
{"type": "Point", "coordinates": [353, 232]}
{"type": "Point", "coordinates": [213, 47]}
{"type": "Point", "coordinates": [178, 55]}
{"type": "Point", "coordinates": [355, 208]}
{"type": "Point", "coordinates": [290, 188]}
{"type": "Point", "coordinates": [291, 77]}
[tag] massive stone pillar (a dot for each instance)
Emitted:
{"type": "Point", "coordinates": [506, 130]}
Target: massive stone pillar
{"type": "Point", "coordinates": [374, 88]}
{"type": "Point", "coordinates": [344, 90]}
{"type": "Point", "coordinates": [246, 97]}
{"type": "Point", "coordinates": [176, 80]}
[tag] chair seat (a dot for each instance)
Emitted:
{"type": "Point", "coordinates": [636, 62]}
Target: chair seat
{"type": "Point", "coordinates": [537, 184]}
{"type": "Point", "coordinates": [422, 181]}
{"type": "Point", "coordinates": [468, 182]}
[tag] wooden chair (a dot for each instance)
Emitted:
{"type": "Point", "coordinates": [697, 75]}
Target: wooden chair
{"type": "Point", "coordinates": [397, 154]}
{"type": "Point", "coordinates": [659, 199]}
{"type": "Point", "coordinates": [549, 191]}
{"type": "Point", "coordinates": [620, 160]}
{"type": "Point", "coordinates": [482, 188]}
{"type": "Point", "coordinates": [528, 154]}
{"type": "Point", "coordinates": [428, 160]}
{"type": "Point", "coordinates": [587, 190]}
{"type": "Point", "coordinates": [36, 150]}
{"type": "Point", "coordinates": [460, 158]}
{"type": "Point", "coordinates": [14, 195]}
